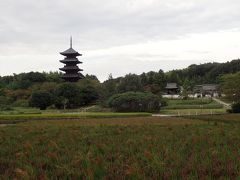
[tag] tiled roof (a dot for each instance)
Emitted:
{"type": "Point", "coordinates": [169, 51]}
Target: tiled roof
{"type": "Point", "coordinates": [70, 51]}
{"type": "Point", "coordinates": [171, 86]}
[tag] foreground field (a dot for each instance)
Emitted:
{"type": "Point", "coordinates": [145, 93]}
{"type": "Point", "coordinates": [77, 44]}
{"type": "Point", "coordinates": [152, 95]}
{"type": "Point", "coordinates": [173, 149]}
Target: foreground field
{"type": "Point", "coordinates": [58, 116]}
{"type": "Point", "coordinates": [119, 148]}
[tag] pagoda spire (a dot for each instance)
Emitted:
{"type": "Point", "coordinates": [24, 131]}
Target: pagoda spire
{"type": "Point", "coordinates": [71, 42]}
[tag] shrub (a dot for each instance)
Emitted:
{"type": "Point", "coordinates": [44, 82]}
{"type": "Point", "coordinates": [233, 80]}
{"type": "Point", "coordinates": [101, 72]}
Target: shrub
{"type": "Point", "coordinates": [69, 95]}
{"type": "Point", "coordinates": [6, 108]}
{"type": "Point", "coordinates": [5, 101]}
{"type": "Point", "coordinates": [88, 94]}
{"type": "Point", "coordinates": [40, 99]}
{"type": "Point", "coordinates": [236, 107]}
{"type": "Point", "coordinates": [134, 102]}
{"type": "Point", "coordinates": [21, 103]}
{"type": "Point", "coordinates": [164, 102]}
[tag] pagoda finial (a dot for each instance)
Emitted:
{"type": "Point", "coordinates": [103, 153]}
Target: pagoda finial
{"type": "Point", "coordinates": [71, 42]}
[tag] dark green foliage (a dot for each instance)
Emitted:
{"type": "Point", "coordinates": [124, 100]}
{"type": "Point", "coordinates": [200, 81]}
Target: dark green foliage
{"type": "Point", "coordinates": [34, 77]}
{"type": "Point", "coordinates": [54, 77]}
{"type": "Point", "coordinates": [134, 102]}
{"type": "Point", "coordinates": [41, 99]}
{"type": "Point", "coordinates": [236, 107]}
{"type": "Point", "coordinates": [230, 85]}
{"type": "Point", "coordinates": [154, 82]}
{"type": "Point", "coordinates": [6, 108]}
{"type": "Point", "coordinates": [70, 95]}
{"type": "Point", "coordinates": [5, 101]}
{"type": "Point", "coordinates": [164, 102]}
{"type": "Point", "coordinates": [26, 80]}
{"type": "Point", "coordinates": [21, 103]}
{"type": "Point", "coordinates": [130, 82]}
{"type": "Point", "coordinates": [2, 93]}
{"type": "Point", "coordinates": [203, 73]}
{"type": "Point", "coordinates": [88, 94]}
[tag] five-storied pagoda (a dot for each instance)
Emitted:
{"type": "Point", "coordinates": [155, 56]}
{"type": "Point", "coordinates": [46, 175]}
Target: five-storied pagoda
{"type": "Point", "coordinates": [72, 71]}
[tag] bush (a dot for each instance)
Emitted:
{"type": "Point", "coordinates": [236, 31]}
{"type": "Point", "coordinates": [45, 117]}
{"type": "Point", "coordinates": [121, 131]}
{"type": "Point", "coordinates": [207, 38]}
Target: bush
{"type": "Point", "coordinates": [6, 108]}
{"type": "Point", "coordinates": [236, 107]}
{"type": "Point", "coordinates": [40, 99]}
{"type": "Point", "coordinates": [164, 102]}
{"type": "Point", "coordinates": [5, 101]}
{"type": "Point", "coordinates": [69, 95]}
{"type": "Point", "coordinates": [134, 102]}
{"type": "Point", "coordinates": [21, 103]}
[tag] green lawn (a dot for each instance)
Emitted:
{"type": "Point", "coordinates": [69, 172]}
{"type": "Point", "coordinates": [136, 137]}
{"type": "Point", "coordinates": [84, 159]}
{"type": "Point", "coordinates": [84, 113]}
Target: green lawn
{"type": "Point", "coordinates": [30, 110]}
{"type": "Point", "coordinates": [192, 107]}
{"type": "Point", "coordinates": [81, 115]}
{"type": "Point", "coordinates": [203, 147]}
{"type": "Point", "coordinates": [193, 104]}
{"type": "Point", "coordinates": [196, 101]}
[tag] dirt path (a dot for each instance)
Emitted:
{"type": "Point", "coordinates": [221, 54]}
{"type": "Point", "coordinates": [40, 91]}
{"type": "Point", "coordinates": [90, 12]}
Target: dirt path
{"type": "Point", "coordinates": [227, 105]}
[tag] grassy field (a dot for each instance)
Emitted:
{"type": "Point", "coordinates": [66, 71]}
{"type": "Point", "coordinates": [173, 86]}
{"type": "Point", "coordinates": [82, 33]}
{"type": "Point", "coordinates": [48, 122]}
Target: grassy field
{"type": "Point", "coordinates": [193, 104]}
{"type": "Point", "coordinates": [192, 107]}
{"type": "Point", "coordinates": [201, 147]}
{"type": "Point", "coordinates": [31, 110]}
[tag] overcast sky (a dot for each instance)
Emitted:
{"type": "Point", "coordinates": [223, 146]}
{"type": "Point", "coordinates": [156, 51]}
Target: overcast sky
{"type": "Point", "coordinates": [117, 36]}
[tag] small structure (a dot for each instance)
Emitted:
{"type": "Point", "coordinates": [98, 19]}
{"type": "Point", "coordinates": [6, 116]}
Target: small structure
{"type": "Point", "coordinates": [211, 90]}
{"type": "Point", "coordinates": [72, 71]}
{"type": "Point", "coordinates": [172, 88]}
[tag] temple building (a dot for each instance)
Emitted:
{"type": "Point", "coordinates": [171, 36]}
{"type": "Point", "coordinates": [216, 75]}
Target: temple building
{"type": "Point", "coordinates": [71, 69]}
{"type": "Point", "coordinates": [172, 88]}
{"type": "Point", "coordinates": [211, 90]}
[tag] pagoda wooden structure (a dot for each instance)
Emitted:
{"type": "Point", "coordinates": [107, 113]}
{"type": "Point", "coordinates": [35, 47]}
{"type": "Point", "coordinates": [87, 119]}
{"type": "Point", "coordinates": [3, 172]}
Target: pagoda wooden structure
{"type": "Point", "coordinates": [71, 69]}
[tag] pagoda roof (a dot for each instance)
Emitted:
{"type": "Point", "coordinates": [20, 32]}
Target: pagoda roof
{"type": "Point", "coordinates": [66, 68]}
{"type": "Point", "coordinates": [78, 75]}
{"type": "Point", "coordinates": [70, 51]}
{"type": "Point", "coordinates": [68, 60]}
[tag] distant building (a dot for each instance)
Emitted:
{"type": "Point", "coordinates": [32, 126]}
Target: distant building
{"type": "Point", "coordinates": [172, 88]}
{"type": "Point", "coordinates": [72, 71]}
{"type": "Point", "coordinates": [204, 90]}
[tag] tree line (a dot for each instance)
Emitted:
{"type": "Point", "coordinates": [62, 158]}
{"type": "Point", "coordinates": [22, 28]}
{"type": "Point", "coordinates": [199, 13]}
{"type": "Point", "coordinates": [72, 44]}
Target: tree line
{"type": "Point", "coordinates": [34, 88]}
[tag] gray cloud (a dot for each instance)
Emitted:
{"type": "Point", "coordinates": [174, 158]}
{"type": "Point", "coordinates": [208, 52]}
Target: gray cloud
{"type": "Point", "coordinates": [106, 23]}
{"type": "Point", "coordinates": [43, 27]}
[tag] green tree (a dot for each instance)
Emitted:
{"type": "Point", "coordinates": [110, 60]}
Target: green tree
{"type": "Point", "coordinates": [88, 94]}
{"type": "Point", "coordinates": [40, 99]}
{"type": "Point", "coordinates": [69, 93]}
{"type": "Point", "coordinates": [236, 107]}
{"type": "Point", "coordinates": [108, 88]}
{"type": "Point", "coordinates": [53, 77]}
{"type": "Point", "coordinates": [130, 82]}
{"type": "Point", "coordinates": [73, 95]}
{"type": "Point", "coordinates": [230, 85]}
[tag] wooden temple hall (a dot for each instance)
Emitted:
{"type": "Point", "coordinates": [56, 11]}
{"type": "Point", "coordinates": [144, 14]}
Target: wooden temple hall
{"type": "Point", "coordinates": [71, 69]}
